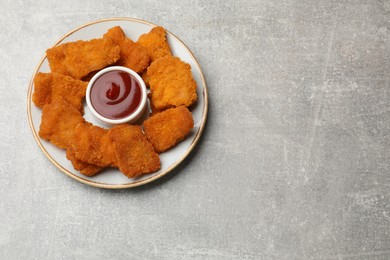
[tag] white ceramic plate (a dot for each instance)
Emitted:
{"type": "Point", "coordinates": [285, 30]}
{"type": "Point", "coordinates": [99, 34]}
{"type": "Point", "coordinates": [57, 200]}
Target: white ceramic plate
{"type": "Point", "coordinates": [112, 178]}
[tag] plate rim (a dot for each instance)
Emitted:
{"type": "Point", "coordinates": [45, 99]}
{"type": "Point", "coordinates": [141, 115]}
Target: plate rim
{"type": "Point", "coordinates": [130, 184]}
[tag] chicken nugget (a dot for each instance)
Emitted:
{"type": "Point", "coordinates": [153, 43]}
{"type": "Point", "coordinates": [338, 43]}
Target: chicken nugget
{"type": "Point", "coordinates": [132, 55]}
{"type": "Point", "coordinates": [42, 89]}
{"type": "Point", "coordinates": [49, 86]}
{"type": "Point", "coordinates": [171, 83]}
{"type": "Point", "coordinates": [116, 34]}
{"type": "Point", "coordinates": [72, 90]}
{"type": "Point", "coordinates": [156, 43]}
{"type": "Point", "coordinates": [135, 155]}
{"type": "Point", "coordinates": [56, 57]}
{"type": "Point", "coordinates": [58, 122]}
{"type": "Point", "coordinates": [90, 144]}
{"type": "Point", "coordinates": [78, 59]}
{"type": "Point", "coordinates": [165, 129]}
{"type": "Point", "coordinates": [83, 167]}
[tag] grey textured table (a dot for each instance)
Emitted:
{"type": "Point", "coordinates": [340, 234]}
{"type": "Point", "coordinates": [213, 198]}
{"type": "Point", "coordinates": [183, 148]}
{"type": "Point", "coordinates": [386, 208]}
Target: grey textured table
{"type": "Point", "coordinates": [294, 161]}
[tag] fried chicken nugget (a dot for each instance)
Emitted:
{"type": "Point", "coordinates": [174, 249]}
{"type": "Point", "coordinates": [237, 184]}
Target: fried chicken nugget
{"type": "Point", "coordinates": [165, 129]}
{"type": "Point", "coordinates": [72, 90]}
{"type": "Point", "coordinates": [156, 43]}
{"type": "Point", "coordinates": [171, 83]}
{"type": "Point", "coordinates": [50, 86]}
{"type": "Point", "coordinates": [134, 153]}
{"type": "Point", "coordinates": [58, 122]}
{"type": "Point", "coordinates": [90, 144]}
{"type": "Point", "coordinates": [42, 89]}
{"type": "Point", "coordinates": [132, 54]}
{"type": "Point", "coordinates": [83, 167]}
{"type": "Point", "coordinates": [78, 59]}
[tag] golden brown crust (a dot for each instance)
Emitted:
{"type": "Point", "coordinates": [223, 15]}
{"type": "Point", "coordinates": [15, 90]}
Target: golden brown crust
{"type": "Point", "coordinates": [83, 167]}
{"type": "Point", "coordinates": [90, 144]}
{"type": "Point", "coordinates": [156, 43]}
{"type": "Point", "coordinates": [134, 153]}
{"type": "Point", "coordinates": [145, 78]}
{"type": "Point", "coordinates": [165, 129]}
{"type": "Point", "coordinates": [56, 57]}
{"type": "Point", "coordinates": [78, 59]}
{"type": "Point", "coordinates": [132, 55]}
{"type": "Point", "coordinates": [58, 122]}
{"type": "Point", "coordinates": [171, 83]}
{"type": "Point", "coordinates": [42, 89]}
{"type": "Point", "coordinates": [72, 90]}
{"type": "Point", "coordinates": [116, 34]}
{"type": "Point", "coordinates": [50, 86]}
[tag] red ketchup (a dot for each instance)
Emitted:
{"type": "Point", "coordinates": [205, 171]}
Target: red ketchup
{"type": "Point", "coordinates": [115, 94]}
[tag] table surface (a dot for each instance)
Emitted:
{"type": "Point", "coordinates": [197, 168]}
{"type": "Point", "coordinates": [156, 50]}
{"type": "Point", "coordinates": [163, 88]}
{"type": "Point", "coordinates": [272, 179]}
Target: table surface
{"type": "Point", "coordinates": [293, 163]}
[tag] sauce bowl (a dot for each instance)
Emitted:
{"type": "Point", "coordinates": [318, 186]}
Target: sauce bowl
{"type": "Point", "coordinates": [116, 95]}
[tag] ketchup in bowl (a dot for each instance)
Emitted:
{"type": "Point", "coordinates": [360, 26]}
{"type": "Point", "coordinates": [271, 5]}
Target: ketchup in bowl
{"type": "Point", "coordinates": [116, 95]}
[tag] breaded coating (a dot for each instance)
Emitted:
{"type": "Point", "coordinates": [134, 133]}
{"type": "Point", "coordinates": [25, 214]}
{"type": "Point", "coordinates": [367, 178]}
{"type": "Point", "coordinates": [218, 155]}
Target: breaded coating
{"type": "Point", "coordinates": [167, 128]}
{"type": "Point", "coordinates": [58, 122]}
{"type": "Point", "coordinates": [50, 86]}
{"type": "Point", "coordinates": [154, 111]}
{"type": "Point", "coordinates": [78, 59]}
{"type": "Point", "coordinates": [83, 167]}
{"type": "Point", "coordinates": [156, 43]}
{"type": "Point", "coordinates": [171, 83]}
{"type": "Point", "coordinates": [91, 144]}
{"type": "Point", "coordinates": [116, 34]}
{"type": "Point", "coordinates": [145, 78]}
{"type": "Point", "coordinates": [56, 58]}
{"type": "Point", "coordinates": [132, 55]}
{"type": "Point", "coordinates": [72, 90]}
{"type": "Point", "coordinates": [134, 153]}
{"type": "Point", "coordinates": [42, 89]}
